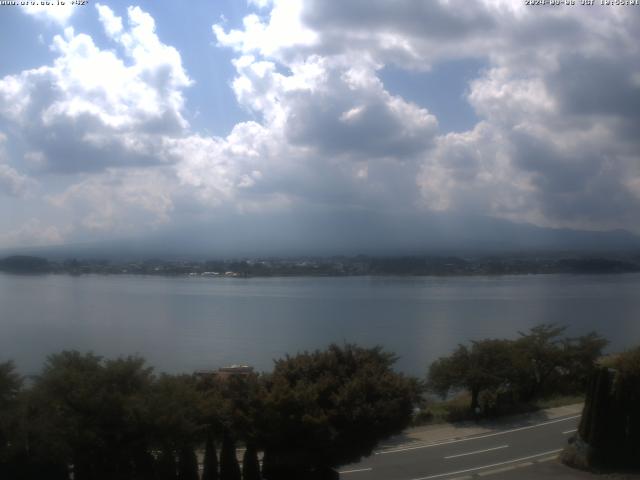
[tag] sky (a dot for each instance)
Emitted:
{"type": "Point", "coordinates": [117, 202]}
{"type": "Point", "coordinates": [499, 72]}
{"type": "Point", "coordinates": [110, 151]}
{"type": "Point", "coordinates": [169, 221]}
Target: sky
{"type": "Point", "coordinates": [302, 121]}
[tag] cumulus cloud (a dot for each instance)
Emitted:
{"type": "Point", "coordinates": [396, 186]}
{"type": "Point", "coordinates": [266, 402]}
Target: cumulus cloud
{"type": "Point", "coordinates": [58, 14]}
{"type": "Point", "coordinates": [283, 32]}
{"type": "Point", "coordinates": [556, 142]}
{"type": "Point", "coordinates": [566, 126]}
{"type": "Point", "coordinates": [92, 109]}
{"type": "Point", "coordinates": [12, 182]}
{"type": "Point", "coordinates": [117, 201]}
{"type": "Point", "coordinates": [329, 132]}
{"type": "Point", "coordinates": [531, 158]}
{"type": "Point", "coordinates": [33, 233]}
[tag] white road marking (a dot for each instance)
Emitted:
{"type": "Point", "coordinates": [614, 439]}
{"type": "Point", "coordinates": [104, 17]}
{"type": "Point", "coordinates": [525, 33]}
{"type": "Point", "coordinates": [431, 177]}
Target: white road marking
{"type": "Point", "coordinates": [395, 450]}
{"type": "Point", "coordinates": [355, 471]}
{"type": "Point", "coordinates": [488, 466]}
{"type": "Point", "coordinates": [570, 431]}
{"type": "Point", "coordinates": [477, 451]}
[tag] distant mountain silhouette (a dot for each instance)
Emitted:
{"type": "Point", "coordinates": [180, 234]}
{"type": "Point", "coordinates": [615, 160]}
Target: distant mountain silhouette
{"type": "Point", "coordinates": [346, 234]}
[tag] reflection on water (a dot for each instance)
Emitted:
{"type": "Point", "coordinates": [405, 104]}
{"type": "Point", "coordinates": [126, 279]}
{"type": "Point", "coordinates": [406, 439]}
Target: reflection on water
{"type": "Point", "coordinates": [182, 324]}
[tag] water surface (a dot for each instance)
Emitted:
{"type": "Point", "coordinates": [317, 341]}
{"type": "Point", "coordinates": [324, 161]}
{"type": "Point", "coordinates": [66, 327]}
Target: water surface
{"type": "Point", "coordinates": [184, 324]}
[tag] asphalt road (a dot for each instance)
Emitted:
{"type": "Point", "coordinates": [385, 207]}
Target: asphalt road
{"type": "Point", "coordinates": [465, 456]}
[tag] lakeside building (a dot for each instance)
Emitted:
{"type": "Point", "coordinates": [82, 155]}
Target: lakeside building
{"type": "Point", "coordinates": [226, 372]}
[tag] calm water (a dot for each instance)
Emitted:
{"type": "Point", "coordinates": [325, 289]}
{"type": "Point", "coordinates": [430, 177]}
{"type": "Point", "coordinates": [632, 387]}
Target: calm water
{"type": "Point", "coordinates": [183, 324]}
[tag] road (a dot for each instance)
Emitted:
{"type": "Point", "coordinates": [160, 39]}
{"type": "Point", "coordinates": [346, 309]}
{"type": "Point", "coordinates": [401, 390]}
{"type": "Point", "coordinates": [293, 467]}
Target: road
{"type": "Point", "coordinates": [466, 456]}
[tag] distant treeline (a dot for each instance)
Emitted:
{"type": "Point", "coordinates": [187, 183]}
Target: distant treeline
{"type": "Point", "coordinates": [336, 266]}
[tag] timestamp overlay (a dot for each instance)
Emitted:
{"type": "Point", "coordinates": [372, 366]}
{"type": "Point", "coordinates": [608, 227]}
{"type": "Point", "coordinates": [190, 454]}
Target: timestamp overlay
{"type": "Point", "coordinates": [582, 3]}
{"type": "Point", "coordinates": [44, 3]}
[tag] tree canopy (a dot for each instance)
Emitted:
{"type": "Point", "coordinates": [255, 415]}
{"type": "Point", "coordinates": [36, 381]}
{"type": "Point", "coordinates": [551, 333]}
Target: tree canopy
{"type": "Point", "coordinates": [328, 408]}
{"type": "Point", "coordinates": [108, 419]}
{"type": "Point", "coordinates": [102, 419]}
{"type": "Point", "coordinates": [484, 365]}
{"type": "Point", "coordinates": [539, 362]}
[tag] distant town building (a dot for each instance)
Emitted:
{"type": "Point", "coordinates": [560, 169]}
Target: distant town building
{"type": "Point", "coordinates": [226, 372]}
{"type": "Point", "coordinates": [241, 370]}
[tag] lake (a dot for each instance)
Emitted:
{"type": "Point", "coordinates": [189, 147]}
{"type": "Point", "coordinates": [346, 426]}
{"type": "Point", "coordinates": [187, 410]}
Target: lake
{"type": "Point", "coordinates": [186, 324]}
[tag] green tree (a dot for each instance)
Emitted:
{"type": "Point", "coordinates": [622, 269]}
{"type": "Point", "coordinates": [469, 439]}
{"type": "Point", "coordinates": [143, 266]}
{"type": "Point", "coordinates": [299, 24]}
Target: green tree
{"type": "Point", "coordinates": [610, 422]}
{"type": "Point", "coordinates": [580, 357]}
{"type": "Point", "coordinates": [328, 408]}
{"type": "Point", "coordinates": [173, 412]}
{"type": "Point", "coordinates": [10, 389]}
{"type": "Point", "coordinates": [229, 468]}
{"type": "Point", "coordinates": [540, 356]}
{"type": "Point", "coordinates": [235, 407]}
{"type": "Point", "coordinates": [547, 363]}
{"type": "Point", "coordinates": [89, 412]}
{"type": "Point", "coordinates": [187, 464]}
{"type": "Point", "coordinates": [538, 362]}
{"type": "Point", "coordinates": [210, 467]}
{"type": "Point", "coordinates": [241, 407]}
{"type": "Point", "coordinates": [10, 385]}
{"type": "Point", "coordinates": [485, 365]}
{"type": "Point", "coordinates": [250, 463]}
{"type": "Point", "coordinates": [167, 466]}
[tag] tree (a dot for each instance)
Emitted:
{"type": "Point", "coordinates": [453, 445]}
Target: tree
{"type": "Point", "coordinates": [229, 468]}
{"type": "Point", "coordinates": [89, 412]}
{"type": "Point", "coordinates": [173, 412]}
{"type": "Point", "coordinates": [210, 467]}
{"type": "Point", "coordinates": [10, 389]}
{"type": "Point", "coordinates": [581, 355]}
{"type": "Point", "coordinates": [240, 406]}
{"type": "Point", "coordinates": [547, 363]}
{"type": "Point", "coordinates": [484, 366]}
{"type": "Point", "coordinates": [609, 431]}
{"type": "Point", "coordinates": [539, 362]}
{"type": "Point", "coordinates": [167, 467]}
{"type": "Point", "coordinates": [250, 463]}
{"type": "Point", "coordinates": [187, 464]}
{"type": "Point", "coordinates": [332, 407]}
{"type": "Point", "coordinates": [64, 408]}
{"type": "Point", "coordinates": [540, 355]}
{"type": "Point", "coordinates": [10, 385]}
{"type": "Point", "coordinates": [235, 406]}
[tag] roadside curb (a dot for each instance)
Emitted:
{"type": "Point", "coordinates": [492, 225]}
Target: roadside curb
{"type": "Point", "coordinates": [444, 433]}
{"type": "Point", "coordinates": [506, 469]}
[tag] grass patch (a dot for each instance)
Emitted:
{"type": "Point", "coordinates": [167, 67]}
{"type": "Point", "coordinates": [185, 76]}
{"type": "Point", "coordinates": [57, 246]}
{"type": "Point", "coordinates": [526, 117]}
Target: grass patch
{"type": "Point", "coordinates": [557, 401]}
{"type": "Point", "coordinates": [455, 409]}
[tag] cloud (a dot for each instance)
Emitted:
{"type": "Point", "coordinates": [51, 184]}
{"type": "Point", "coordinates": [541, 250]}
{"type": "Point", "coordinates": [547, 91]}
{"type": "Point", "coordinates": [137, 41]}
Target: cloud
{"type": "Point", "coordinates": [57, 14]}
{"type": "Point", "coordinates": [284, 30]}
{"type": "Point", "coordinates": [517, 163]}
{"type": "Point", "coordinates": [556, 145]}
{"type": "Point", "coordinates": [112, 24]}
{"type": "Point", "coordinates": [12, 182]}
{"type": "Point", "coordinates": [556, 142]}
{"type": "Point", "coordinates": [92, 109]}
{"type": "Point", "coordinates": [328, 134]}
{"type": "Point", "coordinates": [33, 233]}
{"type": "Point", "coordinates": [119, 201]}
